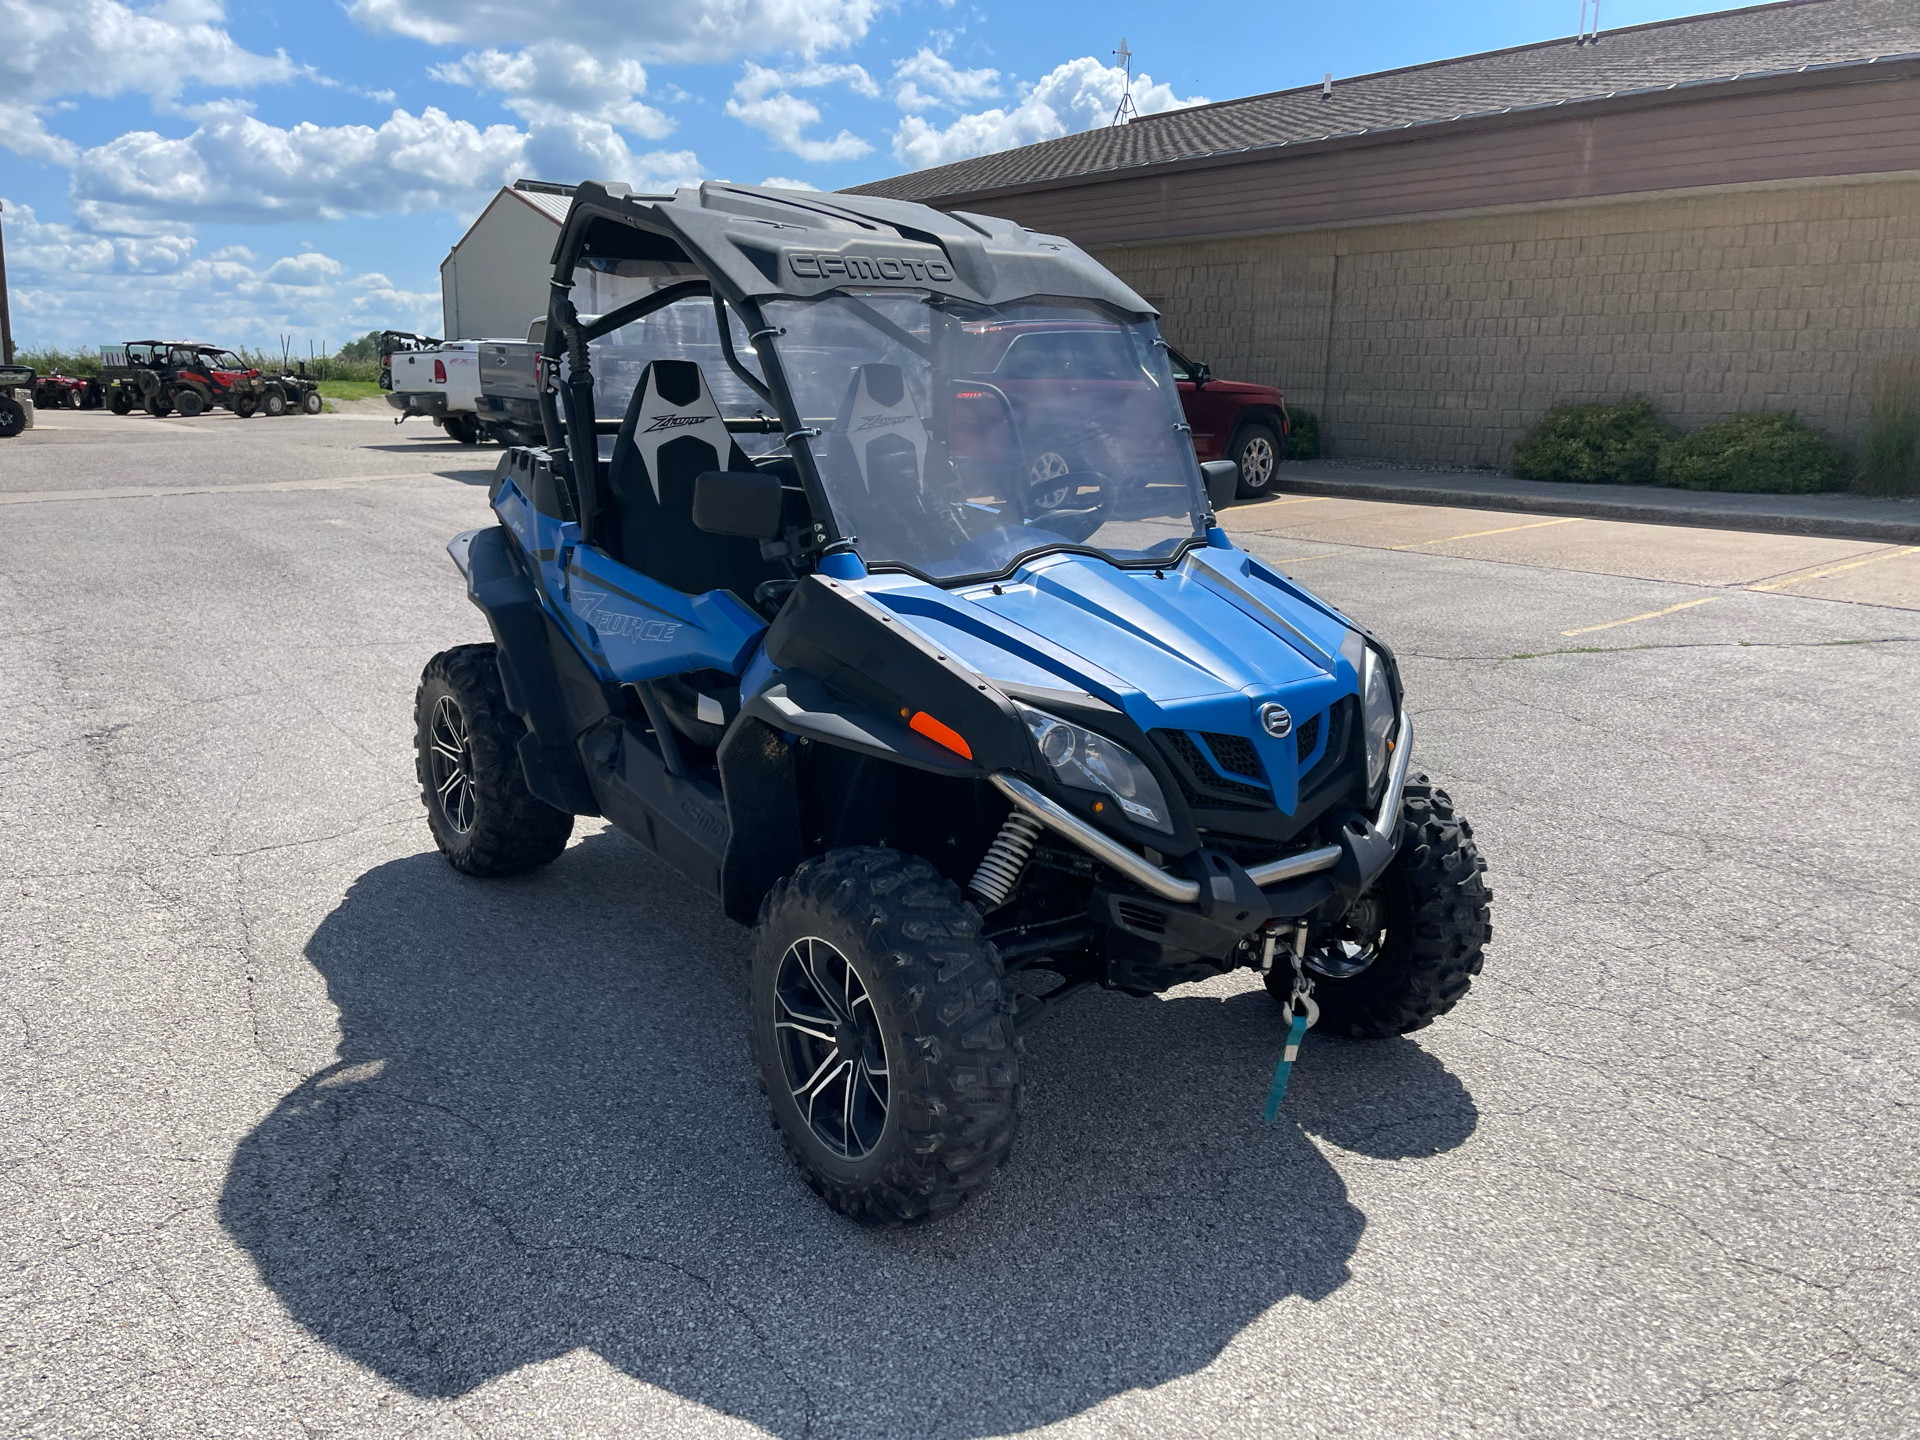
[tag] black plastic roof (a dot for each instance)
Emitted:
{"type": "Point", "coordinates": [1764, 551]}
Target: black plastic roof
{"type": "Point", "coordinates": [760, 244]}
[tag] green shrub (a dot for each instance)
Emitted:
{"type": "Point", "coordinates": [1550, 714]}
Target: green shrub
{"type": "Point", "coordinates": [1594, 444]}
{"type": "Point", "coordinates": [1766, 452]}
{"type": "Point", "coordinates": [1890, 450]}
{"type": "Point", "coordinates": [1303, 434]}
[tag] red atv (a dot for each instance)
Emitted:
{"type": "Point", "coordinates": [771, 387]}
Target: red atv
{"type": "Point", "coordinates": [65, 392]}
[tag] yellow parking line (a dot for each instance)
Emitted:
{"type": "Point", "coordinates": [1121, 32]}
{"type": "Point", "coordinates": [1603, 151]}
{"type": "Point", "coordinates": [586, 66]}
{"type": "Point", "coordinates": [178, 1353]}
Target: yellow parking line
{"type": "Point", "coordinates": [1476, 534]}
{"type": "Point", "coordinates": [1836, 569]}
{"type": "Point", "coordinates": [1296, 559]}
{"type": "Point", "coordinates": [1650, 615]}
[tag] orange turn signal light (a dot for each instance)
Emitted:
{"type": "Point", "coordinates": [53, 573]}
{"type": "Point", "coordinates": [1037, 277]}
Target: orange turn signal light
{"type": "Point", "coordinates": [940, 734]}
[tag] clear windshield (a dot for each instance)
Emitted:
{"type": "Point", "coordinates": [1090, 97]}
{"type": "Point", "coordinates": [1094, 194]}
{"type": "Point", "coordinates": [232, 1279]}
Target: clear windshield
{"type": "Point", "coordinates": [956, 438]}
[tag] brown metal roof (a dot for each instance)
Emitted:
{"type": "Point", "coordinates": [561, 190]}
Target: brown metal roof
{"type": "Point", "coordinates": [1706, 49]}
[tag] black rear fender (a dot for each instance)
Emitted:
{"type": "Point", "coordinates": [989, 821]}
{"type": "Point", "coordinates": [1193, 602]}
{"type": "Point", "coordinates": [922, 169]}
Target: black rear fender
{"type": "Point", "coordinates": [547, 684]}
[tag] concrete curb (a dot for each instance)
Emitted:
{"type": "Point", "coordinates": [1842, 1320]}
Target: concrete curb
{"type": "Point", "coordinates": [1697, 508]}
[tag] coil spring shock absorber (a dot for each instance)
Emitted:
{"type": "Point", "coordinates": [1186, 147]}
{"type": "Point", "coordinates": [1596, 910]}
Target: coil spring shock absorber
{"type": "Point", "coordinates": [1000, 868]}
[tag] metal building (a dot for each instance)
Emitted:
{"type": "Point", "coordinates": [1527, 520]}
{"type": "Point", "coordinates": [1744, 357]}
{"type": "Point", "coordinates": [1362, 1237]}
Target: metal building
{"type": "Point", "coordinates": [493, 283]}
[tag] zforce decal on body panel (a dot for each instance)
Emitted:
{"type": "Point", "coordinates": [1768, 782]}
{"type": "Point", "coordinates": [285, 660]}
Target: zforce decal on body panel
{"type": "Point", "coordinates": [868, 267]}
{"type": "Point", "coordinates": [587, 604]}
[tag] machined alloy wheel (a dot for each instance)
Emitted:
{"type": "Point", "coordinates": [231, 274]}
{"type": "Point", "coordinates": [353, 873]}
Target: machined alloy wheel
{"type": "Point", "coordinates": [883, 1032]}
{"type": "Point", "coordinates": [312, 403]}
{"type": "Point", "coordinates": [465, 743]}
{"type": "Point", "coordinates": [75, 399]}
{"type": "Point", "coordinates": [1050, 465]}
{"type": "Point", "coordinates": [1258, 455]}
{"type": "Point", "coordinates": [274, 402]}
{"type": "Point", "coordinates": [450, 762]}
{"type": "Point", "coordinates": [831, 1048]}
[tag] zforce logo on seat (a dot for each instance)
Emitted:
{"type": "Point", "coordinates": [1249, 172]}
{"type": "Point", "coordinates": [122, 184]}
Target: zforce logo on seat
{"type": "Point", "coordinates": [674, 422]}
{"type": "Point", "coordinates": [882, 422]}
{"type": "Point", "coordinates": [868, 267]}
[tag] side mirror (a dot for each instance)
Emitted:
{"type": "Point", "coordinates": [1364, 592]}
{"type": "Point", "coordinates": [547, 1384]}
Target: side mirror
{"type": "Point", "coordinates": [1202, 372]}
{"type": "Point", "coordinates": [1223, 481]}
{"type": "Point", "coordinates": [747, 503]}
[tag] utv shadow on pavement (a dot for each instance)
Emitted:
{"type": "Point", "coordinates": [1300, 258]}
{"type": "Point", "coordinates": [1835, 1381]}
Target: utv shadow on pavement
{"type": "Point", "coordinates": [543, 1133]}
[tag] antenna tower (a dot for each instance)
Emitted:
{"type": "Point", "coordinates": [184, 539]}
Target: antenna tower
{"type": "Point", "coordinates": [1124, 111]}
{"type": "Point", "coordinates": [1586, 36]}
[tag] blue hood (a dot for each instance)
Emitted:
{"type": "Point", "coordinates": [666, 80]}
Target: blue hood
{"type": "Point", "coordinates": [1198, 647]}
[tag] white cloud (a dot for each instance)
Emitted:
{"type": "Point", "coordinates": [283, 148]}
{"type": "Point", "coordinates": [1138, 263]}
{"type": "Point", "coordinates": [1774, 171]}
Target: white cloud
{"type": "Point", "coordinates": [782, 182]}
{"type": "Point", "coordinates": [71, 287]}
{"type": "Point", "coordinates": [237, 168]}
{"type": "Point", "coordinates": [945, 84]}
{"type": "Point", "coordinates": [689, 30]}
{"type": "Point", "coordinates": [1075, 96]}
{"type": "Point", "coordinates": [761, 98]}
{"type": "Point", "coordinates": [104, 48]}
{"type": "Point", "coordinates": [555, 82]}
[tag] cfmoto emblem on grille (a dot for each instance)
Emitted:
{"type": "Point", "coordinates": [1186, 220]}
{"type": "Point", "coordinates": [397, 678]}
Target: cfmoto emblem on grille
{"type": "Point", "coordinates": [1275, 720]}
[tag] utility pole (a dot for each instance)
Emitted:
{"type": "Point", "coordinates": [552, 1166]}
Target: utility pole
{"type": "Point", "coordinates": [6, 316]}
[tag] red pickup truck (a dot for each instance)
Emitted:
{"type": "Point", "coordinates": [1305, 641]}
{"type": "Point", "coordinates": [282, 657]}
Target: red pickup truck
{"type": "Point", "coordinates": [1049, 363]}
{"type": "Point", "coordinates": [1233, 420]}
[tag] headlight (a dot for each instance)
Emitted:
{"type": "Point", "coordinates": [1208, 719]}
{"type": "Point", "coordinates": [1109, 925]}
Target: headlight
{"type": "Point", "coordinates": [1376, 713]}
{"type": "Point", "coordinates": [1088, 761]}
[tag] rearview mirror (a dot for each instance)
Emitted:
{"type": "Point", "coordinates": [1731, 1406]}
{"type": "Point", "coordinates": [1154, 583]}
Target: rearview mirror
{"type": "Point", "coordinates": [1223, 481]}
{"type": "Point", "coordinates": [747, 503]}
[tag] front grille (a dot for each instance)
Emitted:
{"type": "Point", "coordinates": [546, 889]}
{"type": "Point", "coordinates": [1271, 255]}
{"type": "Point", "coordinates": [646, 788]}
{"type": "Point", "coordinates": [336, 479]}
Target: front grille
{"type": "Point", "coordinates": [1203, 785]}
{"type": "Point", "coordinates": [1235, 753]}
{"type": "Point", "coordinates": [1309, 733]}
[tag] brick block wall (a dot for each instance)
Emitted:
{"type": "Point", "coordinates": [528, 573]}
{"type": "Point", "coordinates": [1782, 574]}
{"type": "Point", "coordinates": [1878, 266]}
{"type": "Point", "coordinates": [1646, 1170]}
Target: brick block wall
{"type": "Point", "coordinates": [1443, 340]}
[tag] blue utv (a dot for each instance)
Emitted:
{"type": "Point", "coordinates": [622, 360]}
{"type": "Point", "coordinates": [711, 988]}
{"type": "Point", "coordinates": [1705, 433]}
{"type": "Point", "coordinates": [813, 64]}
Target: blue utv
{"type": "Point", "coordinates": [888, 605]}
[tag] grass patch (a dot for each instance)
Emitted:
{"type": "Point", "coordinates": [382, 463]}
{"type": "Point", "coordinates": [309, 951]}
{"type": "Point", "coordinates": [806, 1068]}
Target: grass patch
{"type": "Point", "coordinates": [351, 389]}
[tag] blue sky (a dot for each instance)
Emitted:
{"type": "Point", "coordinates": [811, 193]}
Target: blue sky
{"type": "Point", "coordinates": [242, 171]}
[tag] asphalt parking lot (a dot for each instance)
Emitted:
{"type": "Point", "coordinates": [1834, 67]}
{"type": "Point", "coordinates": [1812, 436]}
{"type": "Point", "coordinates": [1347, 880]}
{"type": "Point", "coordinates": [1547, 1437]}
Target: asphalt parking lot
{"type": "Point", "coordinates": [303, 1134]}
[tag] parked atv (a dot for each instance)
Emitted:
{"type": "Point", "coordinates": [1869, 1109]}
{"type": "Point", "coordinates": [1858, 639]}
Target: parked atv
{"type": "Point", "coordinates": [958, 734]}
{"type": "Point", "coordinates": [65, 392]}
{"type": "Point", "coordinates": [13, 412]}
{"type": "Point", "coordinates": [289, 393]}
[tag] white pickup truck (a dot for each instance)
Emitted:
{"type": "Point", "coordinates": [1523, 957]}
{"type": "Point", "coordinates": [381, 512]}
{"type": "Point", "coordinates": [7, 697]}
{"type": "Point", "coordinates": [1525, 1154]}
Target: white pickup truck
{"type": "Point", "coordinates": [475, 390]}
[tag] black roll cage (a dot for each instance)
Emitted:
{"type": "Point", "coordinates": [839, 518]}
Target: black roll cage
{"type": "Point", "coordinates": [576, 434]}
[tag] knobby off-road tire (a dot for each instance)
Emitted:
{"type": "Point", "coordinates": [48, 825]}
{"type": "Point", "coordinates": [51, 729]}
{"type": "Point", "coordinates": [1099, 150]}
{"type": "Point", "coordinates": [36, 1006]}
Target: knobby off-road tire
{"type": "Point", "coordinates": [13, 417]}
{"type": "Point", "coordinates": [189, 403]}
{"type": "Point", "coordinates": [312, 405]}
{"type": "Point", "coordinates": [120, 403]}
{"type": "Point", "coordinates": [274, 402]}
{"type": "Point", "coordinates": [916, 990]}
{"type": "Point", "coordinates": [1437, 922]}
{"type": "Point", "coordinates": [482, 816]}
